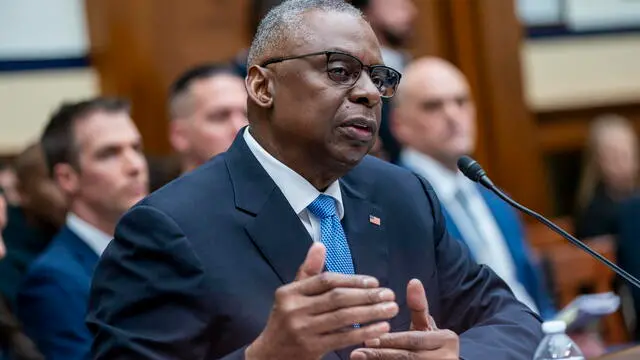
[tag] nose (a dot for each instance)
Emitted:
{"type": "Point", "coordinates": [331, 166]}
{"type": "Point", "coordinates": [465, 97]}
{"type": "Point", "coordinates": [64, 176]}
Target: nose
{"type": "Point", "coordinates": [135, 162]}
{"type": "Point", "coordinates": [452, 110]}
{"type": "Point", "coordinates": [365, 92]}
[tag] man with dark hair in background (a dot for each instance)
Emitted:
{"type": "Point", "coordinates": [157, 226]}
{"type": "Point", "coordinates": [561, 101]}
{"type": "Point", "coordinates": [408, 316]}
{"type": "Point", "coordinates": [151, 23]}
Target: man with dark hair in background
{"type": "Point", "coordinates": [33, 224]}
{"type": "Point", "coordinates": [393, 23]}
{"type": "Point", "coordinates": [208, 106]}
{"type": "Point", "coordinates": [93, 152]}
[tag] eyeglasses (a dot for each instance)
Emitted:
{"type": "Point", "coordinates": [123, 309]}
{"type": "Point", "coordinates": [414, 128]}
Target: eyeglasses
{"type": "Point", "coordinates": [345, 69]}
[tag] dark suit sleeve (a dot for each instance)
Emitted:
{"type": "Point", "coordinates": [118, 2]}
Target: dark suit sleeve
{"type": "Point", "coordinates": [477, 304]}
{"type": "Point", "coordinates": [52, 314]}
{"type": "Point", "coordinates": [149, 294]}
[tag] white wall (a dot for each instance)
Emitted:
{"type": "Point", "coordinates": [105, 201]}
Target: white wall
{"type": "Point", "coordinates": [28, 98]}
{"type": "Point", "coordinates": [581, 72]}
{"type": "Point", "coordinates": [40, 30]}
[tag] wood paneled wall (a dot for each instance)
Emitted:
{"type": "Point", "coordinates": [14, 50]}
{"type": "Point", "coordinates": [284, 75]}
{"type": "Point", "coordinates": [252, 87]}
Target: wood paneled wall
{"type": "Point", "coordinates": [567, 130]}
{"type": "Point", "coordinates": [138, 48]}
{"type": "Point", "coordinates": [562, 135]}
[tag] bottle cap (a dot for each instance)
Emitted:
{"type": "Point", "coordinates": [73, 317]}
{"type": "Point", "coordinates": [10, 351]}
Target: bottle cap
{"type": "Point", "coordinates": [554, 327]}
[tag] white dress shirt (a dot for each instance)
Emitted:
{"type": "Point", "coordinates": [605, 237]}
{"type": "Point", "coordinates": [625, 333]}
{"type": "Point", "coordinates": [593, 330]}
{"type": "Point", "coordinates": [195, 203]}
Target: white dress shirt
{"type": "Point", "coordinates": [489, 247]}
{"type": "Point", "coordinates": [94, 238]}
{"type": "Point", "coordinates": [297, 190]}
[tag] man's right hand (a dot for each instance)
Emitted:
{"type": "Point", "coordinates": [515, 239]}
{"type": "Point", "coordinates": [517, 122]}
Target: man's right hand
{"type": "Point", "coordinates": [314, 315]}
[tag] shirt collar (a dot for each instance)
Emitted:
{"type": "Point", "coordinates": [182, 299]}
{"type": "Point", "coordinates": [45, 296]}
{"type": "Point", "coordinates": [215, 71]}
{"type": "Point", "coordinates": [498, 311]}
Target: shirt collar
{"type": "Point", "coordinates": [296, 189]}
{"type": "Point", "coordinates": [444, 181]}
{"type": "Point", "coordinates": [93, 237]}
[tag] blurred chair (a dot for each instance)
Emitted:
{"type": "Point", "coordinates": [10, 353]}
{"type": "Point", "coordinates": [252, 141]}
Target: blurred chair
{"type": "Point", "coordinates": [540, 236]}
{"type": "Point", "coordinates": [572, 270]}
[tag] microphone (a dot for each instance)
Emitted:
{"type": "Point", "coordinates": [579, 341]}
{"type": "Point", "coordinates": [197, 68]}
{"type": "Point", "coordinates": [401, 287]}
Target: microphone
{"type": "Point", "coordinates": [472, 170]}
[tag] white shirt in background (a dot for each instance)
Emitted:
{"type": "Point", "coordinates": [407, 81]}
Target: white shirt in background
{"type": "Point", "coordinates": [491, 248]}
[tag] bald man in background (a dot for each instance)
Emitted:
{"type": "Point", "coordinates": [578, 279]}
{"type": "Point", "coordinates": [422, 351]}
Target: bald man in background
{"type": "Point", "coordinates": [435, 120]}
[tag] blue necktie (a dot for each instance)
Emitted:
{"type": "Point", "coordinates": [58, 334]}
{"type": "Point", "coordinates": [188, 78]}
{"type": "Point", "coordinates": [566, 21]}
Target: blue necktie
{"type": "Point", "coordinates": [332, 235]}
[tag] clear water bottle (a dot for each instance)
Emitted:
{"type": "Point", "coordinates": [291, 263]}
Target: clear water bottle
{"type": "Point", "coordinates": [556, 345]}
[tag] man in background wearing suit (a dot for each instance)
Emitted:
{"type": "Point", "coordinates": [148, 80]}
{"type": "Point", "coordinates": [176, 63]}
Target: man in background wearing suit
{"type": "Point", "coordinates": [208, 105]}
{"type": "Point", "coordinates": [435, 121]}
{"type": "Point", "coordinates": [33, 223]}
{"type": "Point", "coordinates": [227, 261]}
{"type": "Point", "coordinates": [94, 153]}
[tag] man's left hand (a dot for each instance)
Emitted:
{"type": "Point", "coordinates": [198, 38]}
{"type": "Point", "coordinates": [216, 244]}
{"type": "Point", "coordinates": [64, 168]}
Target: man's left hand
{"type": "Point", "coordinates": [423, 341]}
{"type": "Point", "coordinates": [411, 345]}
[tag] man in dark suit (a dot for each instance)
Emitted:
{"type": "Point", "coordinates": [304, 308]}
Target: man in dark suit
{"type": "Point", "coordinates": [93, 151]}
{"type": "Point", "coordinates": [436, 123]}
{"type": "Point", "coordinates": [213, 265]}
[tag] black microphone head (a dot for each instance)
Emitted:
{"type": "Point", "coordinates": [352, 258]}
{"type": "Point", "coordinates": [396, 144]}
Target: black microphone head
{"type": "Point", "coordinates": [470, 168]}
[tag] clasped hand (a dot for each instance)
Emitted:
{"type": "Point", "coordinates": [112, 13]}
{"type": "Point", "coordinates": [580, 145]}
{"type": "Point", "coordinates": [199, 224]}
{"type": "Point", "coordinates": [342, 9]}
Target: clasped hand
{"type": "Point", "coordinates": [423, 341]}
{"type": "Point", "coordinates": [316, 313]}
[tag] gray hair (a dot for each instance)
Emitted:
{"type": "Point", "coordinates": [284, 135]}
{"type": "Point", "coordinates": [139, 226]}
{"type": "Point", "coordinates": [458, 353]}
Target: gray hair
{"type": "Point", "coordinates": [286, 20]}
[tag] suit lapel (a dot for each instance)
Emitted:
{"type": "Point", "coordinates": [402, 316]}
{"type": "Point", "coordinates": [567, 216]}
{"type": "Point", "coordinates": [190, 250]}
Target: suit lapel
{"type": "Point", "coordinates": [82, 252]}
{"type": "Point", "coordinates": [275, 229]}
{"type": "Point", "coordinates": [280, 236]}
{"type": "Point", "coordinates": [364, 225]}
{"type": "Point", "coordinates": [367, 240]}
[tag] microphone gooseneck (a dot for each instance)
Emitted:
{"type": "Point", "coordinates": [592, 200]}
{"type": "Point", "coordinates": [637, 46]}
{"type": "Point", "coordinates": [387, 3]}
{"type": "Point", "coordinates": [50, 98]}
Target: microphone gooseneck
{"type": "Point", "coordinates": [472, 170]}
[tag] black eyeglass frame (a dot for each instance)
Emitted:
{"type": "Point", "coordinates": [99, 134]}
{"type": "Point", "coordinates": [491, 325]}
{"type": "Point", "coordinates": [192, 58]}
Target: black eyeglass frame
{"type": "Point", "coordinates": [328, 54]}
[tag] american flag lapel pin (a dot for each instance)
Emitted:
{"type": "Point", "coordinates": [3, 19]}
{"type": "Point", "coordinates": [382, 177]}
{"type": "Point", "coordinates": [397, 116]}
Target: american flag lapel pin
{"type": "Point", "coordinates": [374, 220]}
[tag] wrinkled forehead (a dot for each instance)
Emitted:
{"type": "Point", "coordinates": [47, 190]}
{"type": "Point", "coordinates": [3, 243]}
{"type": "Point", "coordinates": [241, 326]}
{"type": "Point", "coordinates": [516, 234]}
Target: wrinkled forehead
{"type": "Point", "coordinates": [322, 31]}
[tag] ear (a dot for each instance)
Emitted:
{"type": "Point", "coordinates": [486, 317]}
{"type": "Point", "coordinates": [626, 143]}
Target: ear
{"type": "Point", "coordinates": [67, 178]}
{"type": "Point", "coordinates": [177, 135]}
{"type": "Point", "coordinates": [260, 86]}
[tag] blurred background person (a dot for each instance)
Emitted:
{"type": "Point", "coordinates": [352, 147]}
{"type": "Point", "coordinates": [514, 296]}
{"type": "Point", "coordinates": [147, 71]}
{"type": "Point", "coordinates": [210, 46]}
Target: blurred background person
{"type": "Point", "coordinates": [208, 105]}
{"type": "Point", "coordinates": [9, 183]}
{"type": "Point", "coordinates": [393, 22]}
{"type": "Point", "coordinates": [434, 118]}
{"type": "Point", "coordinates": [33, 223]}
{"type": "Point", "coordinates": [14, 344]}
{"type": "Point", "coordinates": [257, 10]}
{"type": "Point", "coordinates": [93, 150]}
{"type": "Point", "coordinates": [609, 176]}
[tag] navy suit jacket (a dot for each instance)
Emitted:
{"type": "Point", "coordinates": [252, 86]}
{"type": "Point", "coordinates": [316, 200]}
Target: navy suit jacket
{"type": "Point", "coordinates": [192, 270]}
{"type": "Point", "coordinates": [52, 301]}
{"type": "Point", "coordinates": [527, 271]}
